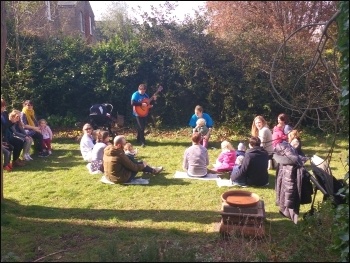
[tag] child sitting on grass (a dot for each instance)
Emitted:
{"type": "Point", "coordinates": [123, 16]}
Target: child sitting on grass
{"type": "Point", "coordinates": [131, 153]}
{"type": "Point", "coordinates": [226, 159]}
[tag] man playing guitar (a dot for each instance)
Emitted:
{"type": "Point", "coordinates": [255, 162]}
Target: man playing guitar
{"type": "Point", "coordinates": [141, 104]}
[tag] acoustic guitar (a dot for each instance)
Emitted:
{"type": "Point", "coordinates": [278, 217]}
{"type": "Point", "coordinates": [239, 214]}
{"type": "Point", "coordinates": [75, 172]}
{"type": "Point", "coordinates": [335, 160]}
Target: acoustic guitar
{"type": "Point", "coordinates": [142, 111]}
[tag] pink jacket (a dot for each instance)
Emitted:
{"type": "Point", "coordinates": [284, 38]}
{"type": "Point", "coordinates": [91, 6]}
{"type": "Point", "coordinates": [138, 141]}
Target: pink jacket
{"type": "Point", "coordinates": [278, 136]}
{"type": "Point", "coordinates": [226, 161]}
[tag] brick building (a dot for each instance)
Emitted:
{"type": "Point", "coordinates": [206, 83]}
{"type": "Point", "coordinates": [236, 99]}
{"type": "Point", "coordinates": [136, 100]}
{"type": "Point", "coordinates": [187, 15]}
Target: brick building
{"type": "Point", "coordinates": [55, 18]}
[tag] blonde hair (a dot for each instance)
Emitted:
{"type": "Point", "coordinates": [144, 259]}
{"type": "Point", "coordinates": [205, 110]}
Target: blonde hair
{"type": "Point", "coordinates": [13, 114]}
{"type": "Point", "coordinates": [255, 131]}
{"type": "Point", "coordinates": [226, 145]}
{"type": "Point", "coordinates": [200, 122]}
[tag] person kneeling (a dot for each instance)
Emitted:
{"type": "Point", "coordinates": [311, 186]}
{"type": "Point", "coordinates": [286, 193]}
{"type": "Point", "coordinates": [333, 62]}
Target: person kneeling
{"type": "Point", "coordinates": [253, 170]}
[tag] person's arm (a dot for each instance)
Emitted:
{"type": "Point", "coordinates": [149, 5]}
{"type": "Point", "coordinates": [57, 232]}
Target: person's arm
{"type": "Point", "coordinates": [26, 125]}
{"type": "Point", "coordinates": [50, 132]}
{"type": "Point", "coordinates": [207, 158]}
{"type": "Point", "coordinates": [16, 133]}
{"type": "Point", "coordinates": [192, 121]}
{"type": "Point", "coordinates": [243, 170]}
{"type": "Point", "coordinates": [185, 161]}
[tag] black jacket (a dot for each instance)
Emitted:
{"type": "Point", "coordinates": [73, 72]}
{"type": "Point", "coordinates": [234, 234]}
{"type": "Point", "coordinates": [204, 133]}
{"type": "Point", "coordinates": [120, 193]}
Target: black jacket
{"type": "Point", "coordinates": [292, 185]}
{"type": "Point", "coordinates": [253, 170]}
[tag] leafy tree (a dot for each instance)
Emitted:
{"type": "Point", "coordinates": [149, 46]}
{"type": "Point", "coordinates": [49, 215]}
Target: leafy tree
{"type": "Point", "coordinates": [115, 22]}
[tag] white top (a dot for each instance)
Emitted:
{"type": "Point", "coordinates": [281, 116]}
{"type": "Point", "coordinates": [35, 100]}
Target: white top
{"type": "Point", "coordinates": [97, 151]}
{"type": "Point", "coordinates": [46, 132]}
{"type": "Point", "coordinates": [265, 135]}
{"type": "Point", "coordinates": [86, 146]}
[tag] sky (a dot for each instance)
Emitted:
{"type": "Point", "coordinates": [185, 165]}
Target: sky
{"type": "Point", "coordinates": [184, 7]}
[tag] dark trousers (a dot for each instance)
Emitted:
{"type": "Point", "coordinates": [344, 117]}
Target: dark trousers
{"type": "Point", "coordinates": [38, 141]}
{"type": "Point", "coordinates": [141, 125]}
{"type": "Point", "coordinates": [17, 145]}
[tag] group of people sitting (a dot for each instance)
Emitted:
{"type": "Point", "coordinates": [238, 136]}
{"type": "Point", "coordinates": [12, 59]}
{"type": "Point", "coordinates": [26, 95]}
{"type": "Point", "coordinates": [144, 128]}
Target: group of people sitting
{"type": "Point", "coordinates": [117, 161]}
{"type": "Point", "coordinates": [248, 167]}
{"type": "Point", "coordinates": [21, 129]}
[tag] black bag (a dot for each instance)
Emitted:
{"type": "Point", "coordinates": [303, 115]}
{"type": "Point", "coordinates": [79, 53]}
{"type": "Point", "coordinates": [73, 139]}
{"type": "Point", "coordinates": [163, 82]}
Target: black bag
{"type": "Point", "coordinates": [306, 189]}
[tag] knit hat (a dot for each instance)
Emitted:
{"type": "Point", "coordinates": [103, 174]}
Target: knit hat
{"type": "Point", "coordinates": [241, 147]}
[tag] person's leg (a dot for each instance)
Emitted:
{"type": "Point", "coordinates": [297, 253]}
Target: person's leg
{"type": "Point", "coordinates": [27, 145]}
{"type": "Point", "coordinates": [141, 124]}
{"type": "Point", "coordinates": [132, 177]}
{"type": "Point", "coordinates": [7, 156]}
{"type": "Point", "coordinates": [38, 142]}
{"type": "Point", "coordinates": [148, 169]}
{"type": "Point", "coordinates": [205, 143]}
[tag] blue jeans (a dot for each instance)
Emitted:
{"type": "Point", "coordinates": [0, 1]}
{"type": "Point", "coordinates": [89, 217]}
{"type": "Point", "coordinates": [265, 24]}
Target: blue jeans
{"type": "Point", "coordinates": [132, 177]}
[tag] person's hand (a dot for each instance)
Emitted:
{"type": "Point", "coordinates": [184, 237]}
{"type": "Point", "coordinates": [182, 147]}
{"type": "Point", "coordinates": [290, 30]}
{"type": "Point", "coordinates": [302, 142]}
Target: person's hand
{"type": "Point", "coordinates": [37, 129]}
{"type": "Point", "coordinates": [144, 104]}
{"type": "Point", "coordinates": [108, 115]}
{"type": "Point", "coordinates": [154, 97]}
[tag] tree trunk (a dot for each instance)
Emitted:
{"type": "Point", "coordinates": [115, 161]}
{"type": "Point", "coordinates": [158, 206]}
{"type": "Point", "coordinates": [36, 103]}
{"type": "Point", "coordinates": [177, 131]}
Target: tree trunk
{"type": "Point", "coordinates": [3, 52]}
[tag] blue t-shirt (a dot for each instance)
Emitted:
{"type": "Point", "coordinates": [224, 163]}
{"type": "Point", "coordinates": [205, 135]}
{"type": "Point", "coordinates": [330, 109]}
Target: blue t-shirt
{"type": "Point", "coordinates": [208, 120]}
{"type": "Point", "coordinates": [136, 96]}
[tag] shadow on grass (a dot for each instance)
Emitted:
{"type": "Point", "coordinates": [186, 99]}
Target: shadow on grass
{"type": "Point", "coordinates": [31, 221]}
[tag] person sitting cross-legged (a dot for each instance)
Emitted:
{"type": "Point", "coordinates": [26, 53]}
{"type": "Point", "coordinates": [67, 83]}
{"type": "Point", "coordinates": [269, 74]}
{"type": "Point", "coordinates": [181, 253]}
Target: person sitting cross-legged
{"type": "Point", "coordinates": [253, 170]}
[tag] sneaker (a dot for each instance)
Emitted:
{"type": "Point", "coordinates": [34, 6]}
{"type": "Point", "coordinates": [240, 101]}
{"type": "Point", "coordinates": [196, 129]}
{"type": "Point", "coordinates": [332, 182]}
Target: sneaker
{"type": "Point", "coordinates": [27, 157]}
{"type": "Point", "coordinates": [143, 145]}
{"type": "Point", "coordinates": [105, 180]}
{"type": "Point", "coordinates": [49, 152]}
{"type": "Point", "coordinates": [157, 170]}
{"type": "Point", "coordinates": [10, 165]}
{"type": "Point", "coordinates": [7, 168]}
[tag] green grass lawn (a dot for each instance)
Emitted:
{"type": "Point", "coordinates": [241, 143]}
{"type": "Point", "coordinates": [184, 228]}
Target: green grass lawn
{"type": "Point", "coordinates": [54, 210]}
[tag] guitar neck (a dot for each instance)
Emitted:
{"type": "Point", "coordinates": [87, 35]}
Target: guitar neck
{"type": "Point", "coordinates": [153, 96]}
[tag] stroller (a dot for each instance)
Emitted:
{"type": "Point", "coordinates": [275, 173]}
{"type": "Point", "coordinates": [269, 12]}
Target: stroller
{"type": "Point", "coordinates": [323, 180]}
{"type": "Point", "coordinates": [100, 117]}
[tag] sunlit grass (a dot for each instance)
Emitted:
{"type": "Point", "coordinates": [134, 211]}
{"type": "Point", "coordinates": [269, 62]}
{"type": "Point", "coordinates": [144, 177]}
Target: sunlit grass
{"type": "Point", "coordinates": [54, 204]}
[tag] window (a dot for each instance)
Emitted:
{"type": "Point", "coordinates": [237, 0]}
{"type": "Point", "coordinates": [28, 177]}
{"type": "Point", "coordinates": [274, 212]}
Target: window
{"type": "Point", "coordinates": [90, 24]}
{"type": "Point", "coordinates": [81, 20]}
{"type": "Point", "coordinates": [48, 10]}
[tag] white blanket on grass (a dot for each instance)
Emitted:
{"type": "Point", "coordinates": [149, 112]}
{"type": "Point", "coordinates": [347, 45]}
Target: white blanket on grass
{"type": "Point", "coordinates": [134, 181]}
{"type": "Point", "coordinates": [183, 175]}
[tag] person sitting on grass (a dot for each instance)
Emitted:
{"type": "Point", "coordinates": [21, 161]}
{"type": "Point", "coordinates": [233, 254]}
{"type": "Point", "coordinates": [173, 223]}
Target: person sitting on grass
{"type": "Point", "coordinates": [254, 166]}
{"type": "Point", "coordinates": [226, 159]}
{"type": "Point", "coordinates": [102, 140]}
{"type": "Point", "coordinates": [87, 143]}
{"type": "Point", "coordinates": [118, 168]}
{"type": "Point", "coordinates": [131, 153]}
{"type": "Point", "coordinates": [196, 158]}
